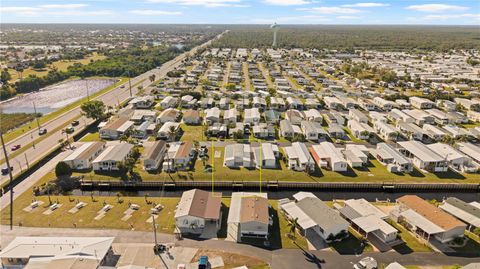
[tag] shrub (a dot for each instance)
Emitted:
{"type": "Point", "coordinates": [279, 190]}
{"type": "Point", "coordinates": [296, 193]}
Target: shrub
{"type": "Point", "coordinates": [62, 169]}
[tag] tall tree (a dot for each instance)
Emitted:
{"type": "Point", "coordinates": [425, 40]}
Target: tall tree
{"type": "Point", "coordinates": [94, 109]}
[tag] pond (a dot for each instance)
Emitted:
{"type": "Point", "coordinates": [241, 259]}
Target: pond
{"type": "Point", "coordinates": [56, 96]}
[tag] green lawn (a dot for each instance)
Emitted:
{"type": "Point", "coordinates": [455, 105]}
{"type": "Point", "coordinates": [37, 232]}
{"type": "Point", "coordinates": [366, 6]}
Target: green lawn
{"type": "Point", "coordinates": [281, 224]}
{"type": "Point", "coordinates": [61, 65]}
{"type": "Point", "coordinates": [192, 133]}
{"type": "Point", "coordinates": [352, 245]}
{"type": "Point", "coordinates": [85, 217]}
{"type": "Point", "coordinates": [374, 172]}
{"type": "Point", "coordinates": [411, 243]}
{"type": "Point", "coordinates": [90, 137]}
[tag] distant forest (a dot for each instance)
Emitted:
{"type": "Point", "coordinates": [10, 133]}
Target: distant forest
{"type": "Point", "coordinates": [438, 38]}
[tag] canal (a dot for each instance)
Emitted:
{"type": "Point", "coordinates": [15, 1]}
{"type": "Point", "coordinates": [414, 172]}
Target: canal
{"type": "Point", "coordinates": [324, 194]}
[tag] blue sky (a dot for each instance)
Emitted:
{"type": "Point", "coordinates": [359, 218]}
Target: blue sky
{"type": "Point", "coordinates": [441, 12]}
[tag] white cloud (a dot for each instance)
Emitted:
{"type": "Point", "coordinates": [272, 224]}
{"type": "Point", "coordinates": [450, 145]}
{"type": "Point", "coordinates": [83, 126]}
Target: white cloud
{"type": "Point", "coordinates": [205, 3]}
{"type": "Point", "coordinates": [80, 13]}
{"type": "Point", "coordinates": [55, 10]}
{"type": "Point", "coordinates": [367, 4]}
{"type": "Point", "coordinates": [332, 10]}
{"type": "Point", "coordinates": [153, 12]}
{"type": "Point", "coordinates": [286, 2]}
{"type": "Point", "coordinates": [348, 17]}
{"type": "Point", "coordinates": [63, 6]}
{"type": "Point", "coordinates": [23, 11]}
{"type": "Point", "coordinates": [436, 8]}
{"type": "Point", "coordinates": [451, 16]}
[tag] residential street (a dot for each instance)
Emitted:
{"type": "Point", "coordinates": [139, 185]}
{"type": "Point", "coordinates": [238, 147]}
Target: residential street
{"type": "Point", "coordinates": [278, 259]}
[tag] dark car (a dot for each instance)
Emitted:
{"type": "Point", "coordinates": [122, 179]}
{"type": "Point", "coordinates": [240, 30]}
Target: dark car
{"type": "Point", "coordinates": [5, 170]}
{"type": "Point", "coordinates": [15, 147]}
{"type": "Point", "coordinates": [75, 123]}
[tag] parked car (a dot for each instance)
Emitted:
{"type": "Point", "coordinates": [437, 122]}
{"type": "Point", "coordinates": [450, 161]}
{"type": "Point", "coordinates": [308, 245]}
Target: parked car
{"type": "Point", "coordinates": [75, 123]}
{"type": "Point", "coordinates": [15, 147]}
{"type": "Point", "coordinates": [5, 170]}
{"type": "Point", "coordinates": [366, 263]}
{"type": "Point", "coordinates": [69, 130]}
{"type": "Point", "coordinates": [42, 131]}
{"type": "Point", "coordinates": [203, 262]}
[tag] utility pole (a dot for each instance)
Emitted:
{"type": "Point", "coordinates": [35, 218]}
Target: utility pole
{"type": "Point", "coordinates": [11, 179]}
{"type": "Point", "coordinates": [36, 116]}
{"type": "Point", "coordinates": [129, 84]}
{"type": "Point", "coordinates": [26, 160]}
{"type": "Point", "coordinates": [86, 87]}
{"type": "Point", "coordinates": [154, 229]}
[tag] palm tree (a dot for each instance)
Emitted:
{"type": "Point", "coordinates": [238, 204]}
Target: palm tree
{"type": "Point", "coordinates": [172, 132]}
{"type": "Point", "coordinates": [204, 159]}
{"type": "Point", "coordinates": [293, 224]}
{"type": "Point", "coordinates": [448, 140]}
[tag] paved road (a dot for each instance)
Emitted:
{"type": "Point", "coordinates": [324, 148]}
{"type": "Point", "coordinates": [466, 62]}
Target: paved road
{"type": "Point", "coordinates": [111, 98]}
{"type": "Point", "coordinates": [278, 259]}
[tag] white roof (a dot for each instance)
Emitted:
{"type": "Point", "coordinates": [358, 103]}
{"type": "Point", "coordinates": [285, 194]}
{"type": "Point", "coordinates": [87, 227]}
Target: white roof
{"type": "Point", "coordinates": [475, 204]}
{"type": "Point", "coordinates": [421, 222]}
{"type": "Point", "coordinates": [294, 212]}
{"type": "Point", "coordinates": [394, 265]}
{"type": "Point", "coordinates": [470, 150]}
{"type": "Point", "coordinates": [461, 214]}
{"type": "Point", "coordinates": [302, 194]}
{"type": "Point", "coordinates": [212, 112]}
{"type": "Point", "coordinates": [447, 151]}
{"type": "Point", "coordinates": [68, 247]}
{"type": "Point", "coordinates": [267, 151]}
{"type": "Point", "coordinates": [116, 152]}
{"type": "Point", "coordinates": [328, 150]}
{"type": "Point", "coordinates": [421, 151]}
{"type": "Point", "coordinates": [252, 113]}
{"type": "Point", "coordinates": [371, 223]}
{"type": "Point", "coordinates": [387, 151]}
{"type": "Point", "coordinates": [364, 208]}
{"type": "Point", "coordinates": [79, 151]}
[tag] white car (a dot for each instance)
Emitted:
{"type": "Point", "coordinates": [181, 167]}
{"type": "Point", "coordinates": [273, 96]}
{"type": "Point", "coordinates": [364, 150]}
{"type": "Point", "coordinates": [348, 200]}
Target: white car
{"type": "Point", "coordinates": [366, 263]}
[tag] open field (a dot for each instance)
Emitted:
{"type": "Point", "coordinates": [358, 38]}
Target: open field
{"type": "Point", "coordinates": [61, 65]}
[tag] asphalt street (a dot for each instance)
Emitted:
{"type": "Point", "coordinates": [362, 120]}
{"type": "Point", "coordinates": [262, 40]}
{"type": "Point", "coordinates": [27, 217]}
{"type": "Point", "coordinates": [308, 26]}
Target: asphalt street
{"type": "Point", "coordinates": [278, 259]}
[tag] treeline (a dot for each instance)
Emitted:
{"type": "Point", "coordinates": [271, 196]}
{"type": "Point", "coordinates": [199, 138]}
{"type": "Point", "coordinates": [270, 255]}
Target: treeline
{"type": "Point", "coordinates": [348, 38]}
{"type": "Point", "coordinates": [125, 62]}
